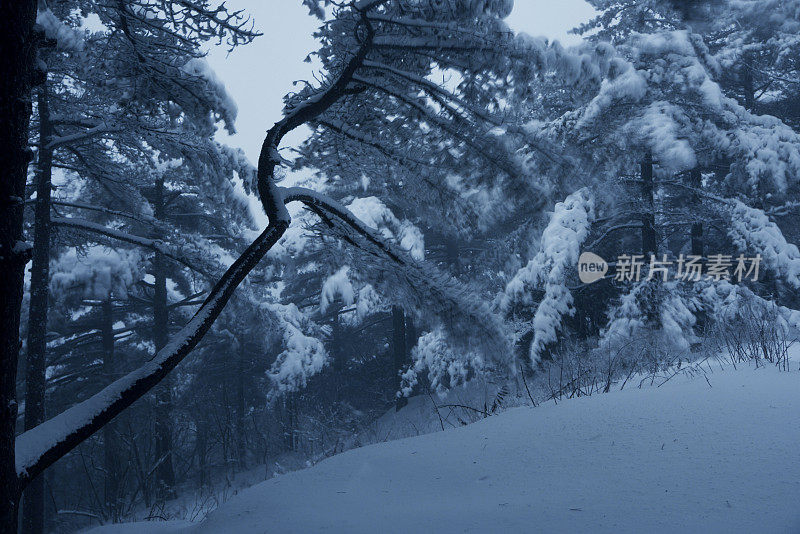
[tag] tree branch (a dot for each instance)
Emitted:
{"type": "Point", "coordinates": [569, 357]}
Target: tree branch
{"type": "Point", "coordinates": [152, 244]}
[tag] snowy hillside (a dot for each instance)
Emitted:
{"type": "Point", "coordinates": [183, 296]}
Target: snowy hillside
{"type": "Point", "coordinates": [690, 456]}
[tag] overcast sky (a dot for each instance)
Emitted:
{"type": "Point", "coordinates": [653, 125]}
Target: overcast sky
{"type": "Point", "coordinates": [259, 74]}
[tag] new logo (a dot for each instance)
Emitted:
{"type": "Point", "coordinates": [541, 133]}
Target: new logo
{"type": "Point", "coordinates": [591, 267]}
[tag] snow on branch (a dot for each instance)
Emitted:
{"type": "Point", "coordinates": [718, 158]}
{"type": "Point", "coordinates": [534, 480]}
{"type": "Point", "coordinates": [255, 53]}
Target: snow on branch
{"type": "Point", "coordinates": [557, 257]}
{"type": "Point", "coordinates": [40, 447]}
{"type": "Point", "coordinates": [98, 130]}
{"type": "Point", "coordinates": [753, 231]}
{"type": "Point", "coordinates": [466, 318]}
{"type": "Point", "coordinates": [337, 285]}
{"type": "Point", "coordinates": [222, 100]}
{"type": "Point", "coordinates": [152, 244]}
{"type": "Point", "coordinates": [302, 356]}
{"type": "Point", "coordinates": [446, 367]}
{"type": "Point", "coordinates": [727, 303]}
{"type": "Point", "coordinates": [66, 38]}
{"type": "Point", "coordinates": [99, 271]}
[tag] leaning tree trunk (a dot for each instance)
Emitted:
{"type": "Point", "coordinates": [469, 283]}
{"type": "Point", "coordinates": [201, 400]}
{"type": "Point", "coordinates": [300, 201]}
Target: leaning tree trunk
{"type": "Point", "coordinates": [17, 54]}
{"type": "Point", "coordinates": [164, 473]}
{"type": "Point", "coordinates": [41, 447]}
{"type": "Point", "coordinates": [110, 442]}
{"type": "Point", "coordinates": [399, 351]}
{"type": "Point", "coordinates": [649, 240]}
{"type": "Point", "coordinates": [33, 509]}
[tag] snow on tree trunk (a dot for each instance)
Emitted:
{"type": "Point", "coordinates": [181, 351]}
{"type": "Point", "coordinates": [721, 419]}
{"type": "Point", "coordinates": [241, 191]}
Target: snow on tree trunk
{"type": "Point", "coordinates": [38, 448]}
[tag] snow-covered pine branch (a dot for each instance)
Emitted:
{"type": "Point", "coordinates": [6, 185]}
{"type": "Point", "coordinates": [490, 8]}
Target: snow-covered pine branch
{"type": "Point", "coordinates": [752, 231]}
{"type": "Point", "coordinates": [152, 244]}
{"type": "Point", "coordinates": [462, 316]}
{"type": "Point", "coordinates": [550, 269]}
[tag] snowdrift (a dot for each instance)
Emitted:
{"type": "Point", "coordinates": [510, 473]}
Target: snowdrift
{"type": "Point", "coordinates": [694, 455]}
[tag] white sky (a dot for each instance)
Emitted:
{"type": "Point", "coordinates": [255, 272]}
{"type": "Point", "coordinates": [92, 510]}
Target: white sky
{"type": "Point", "coordinates": [258, 75]}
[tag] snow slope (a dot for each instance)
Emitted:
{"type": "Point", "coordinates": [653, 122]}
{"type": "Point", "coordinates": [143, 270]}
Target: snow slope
{"type": "Point", "coordinates": [685, 457]}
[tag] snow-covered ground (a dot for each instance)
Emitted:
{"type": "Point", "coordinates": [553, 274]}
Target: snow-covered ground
{"type": "Point", "coordinates": [685, 457]}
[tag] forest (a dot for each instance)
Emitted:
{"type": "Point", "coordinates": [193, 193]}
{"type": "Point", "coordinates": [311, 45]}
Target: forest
{"type": "Point", "coordinates": [478, 231]}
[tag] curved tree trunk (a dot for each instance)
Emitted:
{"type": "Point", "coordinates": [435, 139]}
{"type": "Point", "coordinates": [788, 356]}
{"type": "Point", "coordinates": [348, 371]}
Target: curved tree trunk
{"type": "Point", "coordinates": [40, 447]}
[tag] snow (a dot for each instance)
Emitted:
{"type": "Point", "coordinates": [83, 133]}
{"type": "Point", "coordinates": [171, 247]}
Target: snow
{"type": "Point", "coordinates": [627, 86]}
{"type": "Point", "coordinates": [141, 527]}
{"type": "Point", "coordinates": [659, 125]}
{"type": "Point", "coordinates": [224, 103]}
{"type": "Point", "coordinates": [446, 367]}
{"type": "Point", "coordinates": [369, 301]}
{"type": "Point", "coordinates": [375, 214]}
{"type": "Point", "coordinates": [558, 255]}
{"type": "Point", "coordinates": [337, 285]}
{"type": "Point", "coordinates": [690, 456]}
{"type": "Point", "coordinates": [303, 355]}
{"type": "Point", "coordinates": [752, 231]}
{"type": "Point", "coordinates": [99, 271]}
{"type": "Point", "coordinates": [33, 445]}
{"type": "Point", "coordinates": [67, 39]}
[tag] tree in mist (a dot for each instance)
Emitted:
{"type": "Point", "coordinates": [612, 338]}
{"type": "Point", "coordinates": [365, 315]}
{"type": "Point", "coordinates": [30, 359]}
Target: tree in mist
{"type": "Point", "coordinates": [356, 34]}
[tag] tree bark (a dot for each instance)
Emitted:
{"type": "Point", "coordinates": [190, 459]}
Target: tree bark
{"type": "Point", "coordinates": [164, 473]}
{"type": "Point", "coordinates": [17, 53]}
{"type": "Point", "coordinates": [399, 351]}
{"type": "Point", "coordinates": [649, 239]}
{"type": "Point", "coordinates": [33, 509]}
{"type": "Point", "coordinates": [696, 181]}
{"type": "Point", "coordinates": [110, 442]}
{"type": "Point", "coordinates": [241, 449]}
{"type": "Point", "coordinates": [748, 84]}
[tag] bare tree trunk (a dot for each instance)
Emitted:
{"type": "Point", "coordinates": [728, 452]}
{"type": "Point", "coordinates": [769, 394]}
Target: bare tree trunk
{"type": "Point", "coordinates": [649, 240]}
{"type": "Point", "coordinates": [164, 473]}
{"type": "Point", "coordinates": [110, 442]}
{"type": "Point", "coordinates": [338, 354]}
{"type": "Point", "coordinates": [17, 53]}
{"type": "Point", "coordinates": [289, 417]}
{"type": "Point", "coordinates": [240, 406]}
{"type": "Point", "coordinates": [452, 253]}
{"type": "Point", "coordinates": [696, 181]}
{"type": "Point", "coordinates": [748, 85]}
{"type": "Point", "coordinates": [35, 365]}
{"type": "Point", "coordinates": [399, 351]}
{"type": "Point", "coordinates": [202, 447]}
